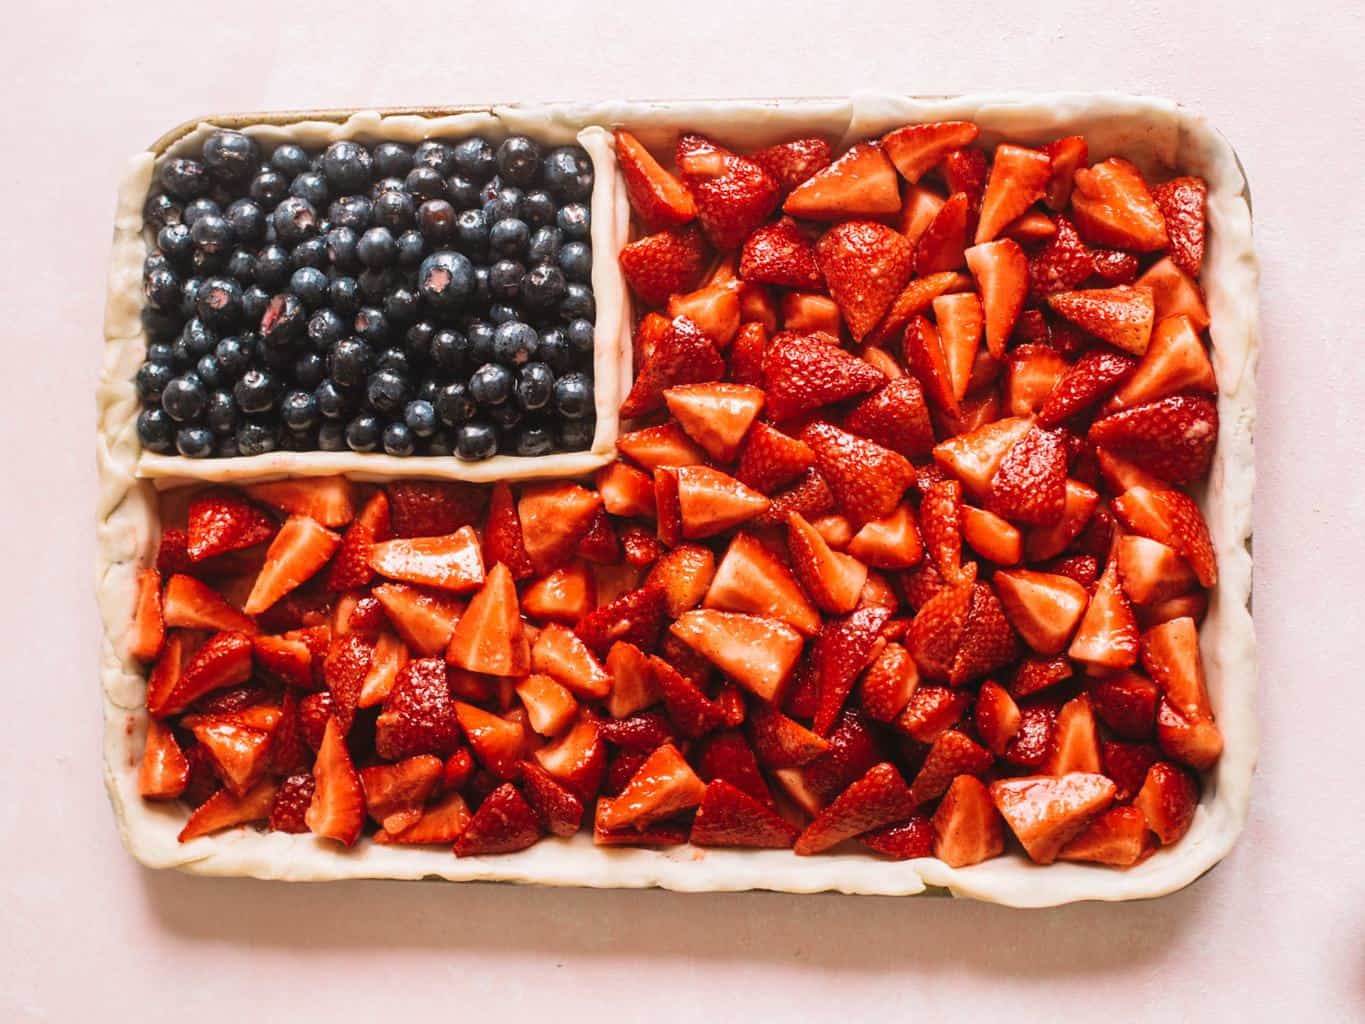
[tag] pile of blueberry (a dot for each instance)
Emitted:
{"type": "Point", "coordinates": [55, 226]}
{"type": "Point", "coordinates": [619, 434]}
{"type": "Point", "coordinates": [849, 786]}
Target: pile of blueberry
{"type": "Point", "coordinates": [422, 300]}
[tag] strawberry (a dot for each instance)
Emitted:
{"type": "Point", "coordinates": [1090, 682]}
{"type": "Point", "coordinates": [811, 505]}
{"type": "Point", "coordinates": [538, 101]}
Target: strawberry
{"type": "Point", "coordinates": [441, 823]}
{"type": "Point", "coordinates": [941, 245]}
{"type": "Point", "coordinates": [655, 195]}
{"type": "Point", "coordinates": [1065, 155]}
{"type": "Point", "coordinates": [430, 508]}
{"type": "Point", "coordinates": [664, 445]}
{"type": "Point", "coordinates": [684, 575]}
{"type": "Point", "coordinates": [733, 194]}
{"type": "Point", "coordinates": [221, 520]}
{"type": "Point", "coordinates": [635, 617]}
{"type": "Point", "coordinates": [1170, 653]}
{"type": "Point", "coordinates": [329, 500]}
{"type": "Point", "coordinates": [453, 563]}
{"type": "Point", "coordinates": [562, 655]}
{"type": "Point", "coordinates": [810, 497]}
{"type": "Point", "coordinates": [917, 148]}
{"type": "Point", "coordinates": [224, 810]}
{"type": "Point", "coordinates": [291, 802]}
{"type": "Point", "coordinates": [1172, 437]}
{"type": "Point", "coordinates": [988, 642]}
{"type": "Point", "coordinates": [960, 323]}
{"type": "Point", "coordinates": [559, 810]}
{"type": "Point", "coordinates": [751, 579]}
{"type": "Point", "coordinates": [1127, 765]}
{"type": "Point", "coordinates": [502, 539]}
{"type": "Point", "coordinates": [599, 542]}
{"type": "Point", "coordinates": [682, 355]}
{"type": "Point", "coordinates": [163, 771]}
{"type": "Point", "coordinates": [928, 361]}
{"type": "Point", "coordinates": [645, 340]}
{"type": "Point", "coordinates": [726, 756]}
{"type": "Point", "coordinates": [337, 810]}
{"type": "Point", "coordinates": [645, 732]}
{"type": "Point", "coordinates": [550, 708]}
{"type": "Point", "coordinates": [634, 686]}
{"type": "Point", "coordinates": [936, 632]}
{"type": "Point", "coordinates": [867, 480]}
{"type": "Point", "coordinates": [1046, 813]}
{"type": "Point", "coordinates": [843, 649]}
{"type": "Point", "coordinates": [662, 834]}
{"type": "Point", "coordinates": [1044, 608]}
{"type": "Point", "coordinates": [418, 715]}
{"type": "Point", "coordinates": [1032, 373]}
{"type": "Point", "coordinates": [344, 670]}
{"type": "Point", "coordinates": [879, 798]}
{"type": "Point", "coordinates": [746, 353]}
{"type": "Point", "coordinates": [895, 415]}
{"type": "Point", "coordinates": [504, 823]}
{"type": "Point", "coordinates": [1175, 361]}
{"type": "Point", "coordinates": [172, 553]}
{"type": "Point", "coordinates": [1107, 636]}
{"type": "Point", "coordinates": [1075, 744]}
{"type": "Point", "coordinates": [941, 526]}
{"type": "Point", "coordinates": [1113, 207]}
{"type": "Point", "coordinates": [497, 742]}
{"type": "Point", "coordinates": [754, 651]}
{"type": "Point", "coordinates": [1190, 739]}
{"type": "Point", "coordinates": [861, 183]}
{"type": "Point", "coordinates": [1113, 266]}
{"type": "Point", "coordinates": [996, 716]}
{"type": "Point", "coordinates": [688, 708]}
{"type": "Point", "coordinates": [395, 793]}
{"type": "Point", "coordinates": [1118, 837]}
{"type": "Point", "coordinates": [1181, 202]}
{"type": "Point", "coordinates": [866, 265]}
{"type": "Point", "coordinates": [1062, 264]}
{"type": "Point", "coordinates": [729, 816]}
{"type": "Point", "coordinates": [424, 621]}
{"type": "Point", "coordinates": [1172, 518]}
{"type": "Point", "coordinates": [488, 637]}
{"type": "Point", "coordinates": [1030, 485]}
{"type": "Point", "coordinates": [1093, 377]}
{"type": "Point", "coordinates": [1121, 316]}
{"type": "Point", "coordinates": [715, 415]}
{"type": "Point", "coordinates": [1167, 800]}
{"type": "Point", "coordinates": [390, 655]}
{"type": "Point", "coordinates": [888, 683]}
{"type": "Point", "coordinates": [224, 660]}
{"type": "Point", "coordinates": [1001, 272]}
{"type": "Point", "coordinates": [964, 170]}
{"type": "Point", "coordinates": [791, 164]}
{"type": "Point", "coordinates": [967, 826]}
{"type": "Point", "coordinates": [780, 254]}
{"type": "Point", "coordinates": [664, 785]}
{"type": "Point", "coordinates": [1126, 703]}
{"type": "Point", "coordinates": [1019, 178]}
{"type": "Point", "coordinates": [781, 742]}
{"type": "Point", "coordinates": [889, 543]}
{"type": "Point", "coordinates": [711, 502]}
{"type": "Point", "coordinates": [625, 491]}
{"type": "Point", "coordinates": [578, 759]}
{"type": "Point", "coordinates": [915, 298]}
{"type": "Point", "coordinates": [832, 579]}
{"type": "Point", "coordinates": [300, 549]}
{"type": "Point", "coordinates": [769, 459]}
{"type": "Point", "coordinates": [1030, 228]}
{"type": "Point", "coordinates": [952, 754]}
{"type": "Point", "coordinates": [904, 840]}
{"type": "Point", "coordinates": [1150, 571]}
{"type": "Point", "coordinates": [351, 564]}
{"type": "Point", "coordinates": [554, 518]}
{"type": "Point", "coordinates": [1077, 510]}
{"type": "Point", "coordinates": [803, 372]}
{"type": "Point", "coordinates": [1037, 674]}
{"type": "Point", "coordinates": [1174, 293]}
{"type": "Point", "coordinates": [190, 604]}
{"type": "Point", "coordinates": [714, 309]}
{"type": "Point", "coordinates": [991, 537]}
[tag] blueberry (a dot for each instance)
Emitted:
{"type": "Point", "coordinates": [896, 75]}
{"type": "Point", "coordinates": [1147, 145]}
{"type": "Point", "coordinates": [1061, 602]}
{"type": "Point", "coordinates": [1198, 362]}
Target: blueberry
{"type": "Point", "coordinates": [573, 396]}
{"type": "Point", "coordinates": [514, 343]}
{"type": "Point", "coordinates": [377, 247]}
{"type": "Point", "coordinates": [160, 327]}
{"type": "Point", "coordinates": [161, 289]}
{"type": "Point", "coordinates": [501, 313]}
{"type": "Point", "coordinates": [575, 221]}
{"type": "Point", "coordinates": [280, 359]}
{"type": "Point", "coordinates": [575, 259]}
{"type": "Point", "coordinates": [463, 192]}
{"type": "Point", "coordinates": [298, 440]}
{"type": "Point", "coordinates": [544, 245]}
{"type": "Point", "coordinates": [160, 210]}
{"type": "Point", "coordinates": [332, 436]}
{"type": "Point", "coordinates": [184, 397]}
{"type": "Point", "coordinates": [412, 248]}
{"type": "Point", "coordinates": [268, 188]}
{"type": "Point", "coordinates": [219, 303]}
{"type": "Point", "coordinates": [482, 296]}
{"type": "Point", "coordinates": [386, 392]}
{"type": "Point", "coordinates": [208, 371]}
{"type": "Point", "coordinates": [311, 252]}
{"type": "Point", "coordinates": [199, 209]}
{"type": "Point", "coordinates": [518, 160]}
{"type": "Point", "coordinates": [503, 203]}
{"type": "Point", "coordinates": [311, 185]}
{"type": "Point", "coordinates": [181, 356]}
{"type": "Point", "coordinates": [340, 245]}
{"type": "Point", "coordinates": [436, 220]}
{"type": "Point", "coordinates": [454, 404]}
{"type": "Point", "coordinates": [257, 438]}
{"type": "Point", "coordinates": [241, 267]}
{"type": "Point", "coordinates": [254, 301]}
{"type": "Point", "coordinates": [449, 349]}
{"type": "Point", "coordinates": [226, 447]}
{"type": "Point", "coordinates": [371, 325]}
{"type": "Point", "coordinates": [231, 155]}
{"type": "Point", "coordinates": [446, 280]}
{"type": "Point", "coordinates": [417, 340]}
{"type": "Point", "coordinates": [471, 232]}
{"type": "Point", "coordinates": [332, 401]}
{"type": "Point", "coordinates": [221, 414]}
{"type": "Point", "coordinates": [436, 154]}
{"type": "Point", "coordinates": [575, 435]}
{"type": "Point", "coordinates": [184, 179]}
{"type": "Point", "coordinates": [394, 210]}
{"type": "Point", "coordinates": [348, 166]}
{"type": "Point", "coordinates": [580, 334]}
{"type": "Point", "coordinates": [553, 350]}
{"type": "Point", "coordinates": [294, 220]}
{"type": "Point", "coordinates": [160, 352]}
{"type": "Point", "coordinates": [199, 338]}
{"type": "Point", "coordinates": [480, 335]}
{"type": "Point", "coordinates": [441, 443]}
{"type": "Point", "coordinates": [402, 306]}
{"type": "Point", "coordinates": [535, 385]}
{"type": "Point", "coordinates": [375, 283]}
{"type": "Point", "coordinates": [508, 237]}
{"type": "Point", "coordinates": [284, 319]}
{"type": "Point", "coordinates": [543, 287]}
{"type": "Point", "coordinates": [156, 431]}
{"type": "Point", "coordinates": [399, 440]}
{"type": "Point", "coordinates": [568, 173]}
{"type": "Point", "coordinates": [310, 285]}
{"type": "Point", "coordinates": [247, 220]}
{"type": "Point", "coordinates": [299, 410]}
{"type": "Point", "coordinates": [425, 182]}
{"type": "Point", "coordinates": [476, 441]}
{"type": "Point", "coordinates": [194, 442]}
{"type": "Point", "coordinates": [211, 234]}
{"type": "Point", "coordinates": [504, 280]}
{"type": "Point", "coordinates": [258, 391]}
{"type": "Point", "coordinates": [506, 416]}
{"type": "Point", "coordinates": [577, 303]}
{"type": "Point", "coordinates": [392, 159]}
{"type": "Point", "coordinates": [386, 185]}
{"type": "Point", "coordinates": [363, 433]}
{"type": "Point", "coordinates": [309, 369]}
{"type": "Point", "coordinates": [490, 384]}
{"type": "Point", "coordinates": [290, 159]}
{"type": "Point", "coordinates": [344, 294]}
{"type": "Point", "coordinates": [420, 417]}
{"type": "Point", "coordinates": [474, 158]}
{"type": "Point", "coordinates": [151, 381]}
{"type": "Point", "coordinates": [273, 267]}
{"type": "Point", "coordinates": [537, 208]}
{"type": "Point", "coordinates": [394, 359]}
{"type": "Point", "coordinates": [350, 362]}
{"type": "Point", "coordinates": [531, 441]}
{"type": "Point", "coordinates": [351, 212]}
{"type": "Point", "coordinates": [233, 357]}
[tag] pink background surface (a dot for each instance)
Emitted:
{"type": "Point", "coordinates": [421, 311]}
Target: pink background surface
{"type": "Point", "coordinates": [1277, 930]}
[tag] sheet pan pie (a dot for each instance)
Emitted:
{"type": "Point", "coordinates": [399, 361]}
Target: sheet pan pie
{"type": "Point", "coordinates": [1163, 141]}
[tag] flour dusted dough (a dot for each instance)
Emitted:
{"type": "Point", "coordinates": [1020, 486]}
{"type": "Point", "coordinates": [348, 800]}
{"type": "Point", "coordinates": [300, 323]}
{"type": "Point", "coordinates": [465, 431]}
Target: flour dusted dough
{"type": "Point", "coordinates": [1160, 136]}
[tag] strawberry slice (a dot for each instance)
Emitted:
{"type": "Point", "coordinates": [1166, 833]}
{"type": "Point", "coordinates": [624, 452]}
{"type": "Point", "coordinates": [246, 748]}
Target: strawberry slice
{"type": "Point", "coordinates": [643, 733]}
{"type": "Point", "coordinates": [889, 543]}
{"type": "Point", "coordinates": [1170, 653]}
{"type": "Point", "coordinates": [224, 660]}
{"type": "Point", "coordinates": [488, 638]}
{"type": "Point", "coordinates": [224, 810]}
{"type": "Point", "coordinates": [1167, 800]}
{"type": "Point", "coordinates": [991, 537]}
{"type": "Point", "coordinates": [163, 771]}
{"type": "Point", "coordinates": [996, 716]}
{"type": "Point", "coordinates": [867, 480]}
{"type": "Point", "coordinates": [960, 324]}
{"type": "Point", "coordinates": [1150, 571]}
{"type": "Point", "coordinates": [1033, 371]}
{"type": "Point", "coordinates": [888, 683]}
{"type": "Point", "coordinates": [942, 244]}
{"type": "Point", "coordinates": [951, 754]}
{"type": "Point", "coordinates": [734, 195]}
{"type": "Point", "coordinates": [1181, 202]}
{"type": "Point", "coordinates": [291, 802]}
{"type": "Point", "coordinates": [751, 579]}
{"type": "Point", "coordinates": [424, 621]}
{"type": "Point", "coordinates": [330, 500]}
{"type": "Point", "coordinates": [599, 542]}
{"type": "Point", "coordinates": [635, 617]}
{"type": "Point", "coordinates": [550, 708]}
{"type": "Point", "coordinates": [1046, 813]}
{"type": "Point", "coordinates": [663, 445]}
{"type": "Point", "coordinates": [1030, 485]}
{"type": "Point", "coordinates": [1173, 437]}
{"type": "Point", "coordinates": [1195, 741]}
{"type": "Point", "coordinates": [1066, 155]}
{"type": "Point", "coordinates": [1126, 703]}
{"type": "Point", "coordinates": [769, 459]}
{"type": "Point", "coordinates": [927, 360]}
{"type": "Point", "coordinates": [351, 565]}
{"type": "Point", "coordinates": [452, 563]}
{"type": "Point", "coordinates": [987, 641]}
{"type": "Point", "coordinates": [554, 518]}
{"type": "Point", "coordinates": [1075, 744]}
{"type": "Point", "coordinates": [810, 497]}
{"type": "Point", "coordinates": [684, 575]}
{"type": "Point", "coordinates": [664, 785]}
{"type": "Point", "coordinates": [221, 520]}
{"type": "Point", "coordinates": [1121, 316]}
{"type": "Point", "coordinates": [714, 309]}
{"type": "Point", "coordinates": [496, 742]}
{"type": "Point", "coordinates": [655, 195]}
{"type": "Point", "coordinates": [418, 715]}
{"type": "Point", "coordinates": [1175, 361]}
{"type": "Point", "coordinates": [866, 265]}
{"type": "Point", "coordinates": [964, 170]}
{"type": "Point", "coordinates": [879, 798]}
{"type": "Point", "coordinates": [1044, 608]}
{"type": "Point", "coordinates": [558, 808]}
{"type": "Point", "coordinates": [780, 254]}
{"type": "Point", "coordinates": [917, 148]}
{"type": "Point", "coordinates": [337, 810]}
{"type": "Point", "coordinates": [896, 416]}
{"type": "Point", "coordinates": [803, 372]}
{"type": "Point", "coordinates": [440, 824]}
{"type": "Point", "coordinates": [832, 579]}
{"type": "Point", "coordinates": [1118, 837]}
{"type": "Point", "coordinates": [190, 604]}
{"type": "Point", "coordinates": [1050, 541]}
{"type": "Point", "coordinates": [915, 298]}
{"type": "Point", "coordinates": [1107, 636]}
{"type": "Point", "coordinates": [936, 632]}
{"type": "Point", "coordinates": [1113, 207]}
{"type": "Point", "coordinates": [1062, 264]}
{"type": "Point", "coordinates": [1094, 376]}
{"type": "Point", "coordinates": [1001, 272]}
{"type": "Point", "coordinates": [634, 687]}
{"type": "Point", "coordinates": [396, 793]}
{"type": "Point", "coordinates": [504, 823]}
{"type": "Point", "coordinates": [298, 552]}
{"type": "Point", "coordinates": [682, 355]}
{"type": "Point", "coordinates": [344, 670]}
{"type": "Point", "coordinates": [843, 649]}
{"type": "Point", "coordinates": [502, 537]}
{"type": "Point", "coordinates": [561, 655]}
{"type": "Point", "coordinates": [728, 816]}
{"type": "Point", "coordinates": [754, 651]}
{"type": "Point", "coordinates": [861, 183]}
{"type": "Point", "coordinates": [1172, 518]}
{"type": "Point", "coordinates": [715, 415]}
{"type": "Point", "coordinates": [1019, 178]}
{"type": "Point", "coordinates": [625, 491]}
{"type": "Point", "coordinates": [390, 655]}
{"type": "Point", "coordinates": [711, 502]}
{"type": "Point", "coordinates": [781, 742]}
{"type": "Point", "coordinates": [791, 164]}
{"type": "Point", "coordinates": [689, 709]}
{"type": "Point", "coordinates": [746, 351]}
{"type": "Point", "coordinates": [967, 827]}
{"type": "Point", "coordinates": [941, 525]}
{"type": "Point", "coordinates": [1034, 226]}
{"type": "Point", "coordinates": [431, 508]}
{"type": "Point", "coordinates": [1174, 293]}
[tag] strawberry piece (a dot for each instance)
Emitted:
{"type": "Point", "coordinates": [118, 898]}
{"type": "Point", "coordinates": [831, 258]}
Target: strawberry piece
{"type": "Point", "coordinates": [804, 372]}
{"type": "Point", "coordinates": [684, 575]}
{"type": "Point", "coordinates": [1077, 510]}
{"type": "Point", "coordinates": [424, 621]}
{"type": "Point", "coordinates": [751, 579]}
{"type": "Point", "coordinates": [1112, 206]}
{"type": "Point", "coordinates": [781, 742]}
{"type": "Point", "coordinates": [1046, 813]}
{"type": "Point", "coordinates": [714, 309]}
{"type": "Point", "coordinates": [390, 655]}
{"type": "Point", "coordinates": [496, 742]}
{"type": "Point", "coordinates": [929, 362]}
{"type": "Point", "coordinates": [1127, 704]}
{"type": "Point", "coordinates": [661, 834]}
{"type": "Point", "coordinates": [905, 840]}
{"type": "Point", "coordinates": [172, 553]}
{"type": "Point", "coordinates": [734, 195]}
{"type": "Point", "coordinates": [1174, 293]}
{"type": "Point", "coordinates": [991, 537]}
{"type": "Point", "coordinates": [488, 637]}
{"type": "Point", "coordinates": [291, 802]}
{"type": "Point", "coordinates": [987, 640]}
{"type": "Point", "coordinates": [867, 480]}
{"type": "Point", "coordinates": [769, 459]}
{"type": "Point", "coordinates": [1170, 653]}
{"type": "Point", "coordinates": [1190, 739]}
{"type": "Point", "coordinates": [1037, 674]}
{"type": "Point", "coordinates": [300, 549]}
{"type": "Point", "coordinates": [641, 547]}
{"type": "Point", "coordinates": [967, 827]}
{"type": "Point", "coordinates": [224, 660]}
{"type": "Point", "coordinates": [683, 355]}
{"type": "Point", "coordinates": [337, 810]}
{"type": "Point", "coordinates": [554, 518]}
{"type": "Point", "coordinates": [1173, 438]}
{"type": "Point", "coordinates": [190, 604]}
{"type": "Point", "coordinates": [351, 565]}
{"type": "Point", "coordinates": [936, 632]}
{"type": "Point", "coordinates": [843, 649]}
{"type": "Point", "coordinates": [688, 708]}
{"type": "Point", "coordinates": [418, 715]}
{"type": "Point", "coordinates": [655, 195]}
{"type": "Point", "coordinates": [664, 785]}
{"type": "Point", "coordinates": [1062, 264]}
{"type": "Point", "coordinates": [919, 207]}
{"type": "Point", "coordinates": [1150, 571]}
{"type": "Point", "coordinates": [431, 508]}
{"type": "Point", "coordinates": [502, 537]}
{"type": "Point", "coordinates": [504, 823]}
{"type": "Point", "coordinates": [1032, 373]}
{"type": "Point", "coordinates": [1181, 202]}
{"type": "Point", "coordinates": [1121, 316]}
{"type": "Point", "coordinates": [791, 164]}
{"type": "Point", "coordinates": [1118, 837]}
{"type": "Point", "coordinates": [221, 520]}
{"type": "Point", "coordinates": [865, 265]}
{"type": "Point", "coordinates": [832, 579]}
{"type": "Point", "coordinates": [560, 654]}
{"type": "Point", "coordinates": [711, 502]}
{"type": "Point", "coordinates": [810, 497]}
{"type": "Point", "coordinates": [996, 716]}
{"type": "Point", "coordinates": [917, 148]}
{"type": "Point", "coordinates": [960, 324]}
{"type": "Point", "coordinates": [634, 686]}
{"type": "Point", "coordinates": [861, 183]}
{"type": "Point", "coordinates": [952, 754]}
{"type": "Point", "coordinates": [396, 793]}
{"type": "Point", "coordinates": [148, 628]}
{"type": "Point", "coordinates": [895, 415]}
{"type": "Point", "coordinates": [1172, 518]}
{"type": "Point", "coordinates": [635, 617]}
{"type": "Point", "coordinates": [754, 651]}
{"type": "Point", "coordinates": [1030, 228]}
{"type": "Point", "coordinates": [780, 254]}
{"type": "Point", "coordinates": [888, 683]}
{"type": "Point", "coordinates": [599, 542]}
{"type": "Point", "coordinates": [224, 810]}
{"type": "Point", "coordinates": [879, 798]}
{"type": "Point", "coordinates": [163, 772]}
{"type": "Point", "coordinates": [440, 824]}
{"type": "Point", "coordinates": [1043, 607]}
{"type": "Point", "coordinates": [1075, 744]}
{"type": "Point", "coordinates": [715, 415]}
{"type": "Point", "coordinates": [942, 244]}
{"type": "Point", "coordinates": [1030, 485]}
{"type": "Point", "coordinates": [1107, 636]}
{"type": "Point", "coordinates": [941, 525]}
{"type": "Point", "coordinates": [452, 563]}
{"type": "Point", "coordinates": [550, 708]}
{"type": "Point", "coordinates": [1065, 155]}
{"type": "Point", "coordinates": [644, 733]}
{"type": "Point", "coordinates": [729, 816]}
{"type": "Point", "coordinates": [964, 170]}
{"type": "Point", "coordinates": [889, 543]}
{"type": "Point", "coordinates": [746, 353]}
{"type": "Point", "coordinates": [344, 670]}
{"type": "Point", "coordinates": [1167, 801]}
{"type": "Point", "coordinates": [1001, 272]}
{"type": "Point", "coordinates": [1019, 178]}
{"type": "Point", "coordinates": [329, 500]}
{"type": "Point", "coordinates": [1093, 377]}
{"type": "Point", "coordinates": [1175, 361]}
{"type": "Point", "coordinates": [559, 810]}
{"type": "Point", "coordinates": [915, 298]}
{"type": "Point", "coordinates": [661, 446]}
{"type": "Point", "coordinates": [1127, 765]}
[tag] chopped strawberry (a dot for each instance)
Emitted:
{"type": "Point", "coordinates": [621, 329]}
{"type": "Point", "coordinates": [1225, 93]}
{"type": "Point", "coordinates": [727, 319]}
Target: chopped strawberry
{"type": "Point", "coordinates": [1077, 510]}
{"type": "Point", "coordinates": [866, 265]}
{"type": "Point", "coordinates": [905, 840]}
{"type": "Point", "coordinates": [756, 652]}
{"type": "Point", "coordinates": [418, 715]}
{"type": "Point", "coordinates": [655, 195]}
{"type": "Point", "coordinates": [889, 543]}
{"type": "Point", "coordinates": [780, 254]}
{"type": "Point", "coordinates": [996, 716]}
{"type": "Point", "coordinates": [781, 742]}
{"type": "Point", "coordinates": [832, 579]}
{"type": "Point", "coordinates": [148, 628]}
{"type": "Point", "coordinates": [1043, 607]}
{"type": "Point", "coordinates": [554, 518]}
{"type": "Point", "coordinates": [560, 654]}
{"type": "Point", "coordinates": [664, 833]}
{"type": "Point", "coordinates": [1167, 801]}
{"type": "Point", "coordinates": [684, 575]}
{"type": "Point", "coordinates": [689, 709]}
{"type": "Point", "coordinates": [734, 195]}
{"type": "Point", "coordinates": [558, 808]}
{"type": "Point", "coordinates": [952, 754]}
{"type": "Point", "coordinates": [643, 732]}
{"type": "Point", "coordinates": [941, 527]}
{"type": "Point", "coordinates": [625, 491]}
{"type": "Point", "coordinates": [634, 686]}
{"type": "Point", "coordinates": [488, 637]}
{"type": "Point", "coordinates": [991, 537]}
{"type": "Point", "coordinates": [915, 298]}
{"type": "Point", "coordinates": [867, 480]}
{"type": "Point", "coordinates": [224, 810]}
{"type": "Point", "coordinates": [936, 632]}
{"type": "Point", "coordinates": [497, 742]}
{"type": "Point", "coordinates": [1001, 271]}
{"type": "Point", "coordinates": [1126, 703]}
{"type": "Point", "coordinates": [791, 164]}
{"type": "Point", "coordinates": [664, 445]}
{"type": "Point", "coordinates": [1094, 376]}
{"type": "Point", "coordinates": [1190, 739]}
{"type": "Point", "coordinates": [1118, 837]}
{"type": "Point", "coordinates": [843, 649]}
{"type": "Point", "coordinates": [1181, 202]}
{"type": "Point", "coordinates": [1046, 813]}
{"type": "Point", "coordinates": [729, 816]}
{"type": "Point", "coordinates": [172, 553]}
{"type": "Point", "coordinates": [430, 508]}
{"type": "Point", "coordinates": [300, 549]}
{"type": "Point", "coordinates": [224, 660]}
{"type": "Point", "coordinates": [1062, 264]}
{"type": "Point", "coordinates": [751, 579]}
{"type": "Point", "coordinates": [635, 617]}
{"type": "Point", "coordinates": [715, 415]}
{"type": "Point", "coordinates": [163, 771]}
{"type": "Point", "coordinates": [1112, 206]}
{"type": "Point", "coordinates": [1107, 636]}
{"type": "Point", "coordinates": [1172, 437]}
{"type": "Point", "coordinates": [1113, 266]}
{"type": "Point", "coordinates": [351, 565]}
{"type": "Point", "coordinates": [1170, 653]}
{"type": "Point", "coordinates": [396, 793]}
{"type": "Point", "coordinates": [861, 183]}
{"type": "Point", "coordinates": [1019, 178]}
{"type": "Point", "coordinates": [714, 309]}
{"type": "Point", "coordinates": [917, 148]}
{"type": "Point", "coordinates": [1030, 485]}
{"type": "Point", "coordinates": [190, 604]}
{"type": "Point", "coordinates": [960, 323]}
{"type": "Point", "coordinates": [888, 683]}
{"type": "Point", "coordinates": [746, 352]}
{"type": "Point", "coordinates": [810, 497]}
{"type": "Point", "coordinates": [683, 355]}
{"type": "Point", "coordinates": [287, 812]}
{"type": "Point", "coordinates": [221, 520]}
{"type": "Point", "coordinates": [452, 562]}
{"type": "Point", "coordinates": [550, 708]}
{"type": "Point", "coordinates": [1075, 743]}
{"type": "Point", "coordinates": [967, 826]}
{"type": "Point", "coordinates": [1175, 361]}
{"type": "Point", "coordinates": [769, 459]}
{"type": "Point", "coordinates": [441, 823]}
{"type": "Point", "coordinates": [1150, 571]}
{"type": "Point", "coordinates": [987, 642]}
{"type": "Point", "coordinates": [424, 620]}
{"type": "Point", "coordinates": [1174, 293]}
{"type": "Point", "coordinates": [964, 170]}
{"type": "Point", "coordinates": [599, 542]}
{"type": "Point", "coordinates": [895, 415]}
{"type": "Point", "coordinates": [504, 823]}
{"type": "Point", "coordinates": [879, 798]}
{"type": "Point", "coordinates": [1030, 228]}
{"type": "Point", "coordinates": [803, 372]}
{"type": "Point", "coordinates": [337, 810]}
{"type": "Point", "coordinates": [330, 500]}
{"type": "Point", "coordinates": [1121, 316]}
{"type": "Point", "coordinates": [502, 538]}
{"type": "Point", "coordinates": [1065, 155]}
{"type": "Point", "coordinates": [664, 785]}
{"type": "Point", "coordinates": [1172, 518]}
{"type": "Point", "coordinates": [344, 670]}
{"type": "Point", "coordinates": [941, 246]}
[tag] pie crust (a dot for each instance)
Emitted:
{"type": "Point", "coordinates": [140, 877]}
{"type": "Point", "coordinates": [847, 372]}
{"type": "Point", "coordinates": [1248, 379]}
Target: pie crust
{"type": "Point", "coordinates": [1160, 136]}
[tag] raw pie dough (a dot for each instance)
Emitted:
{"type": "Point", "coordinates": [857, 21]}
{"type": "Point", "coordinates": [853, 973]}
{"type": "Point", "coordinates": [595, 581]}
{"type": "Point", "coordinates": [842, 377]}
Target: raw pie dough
{"type": "Point", "coordinates": [1161, 137]}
